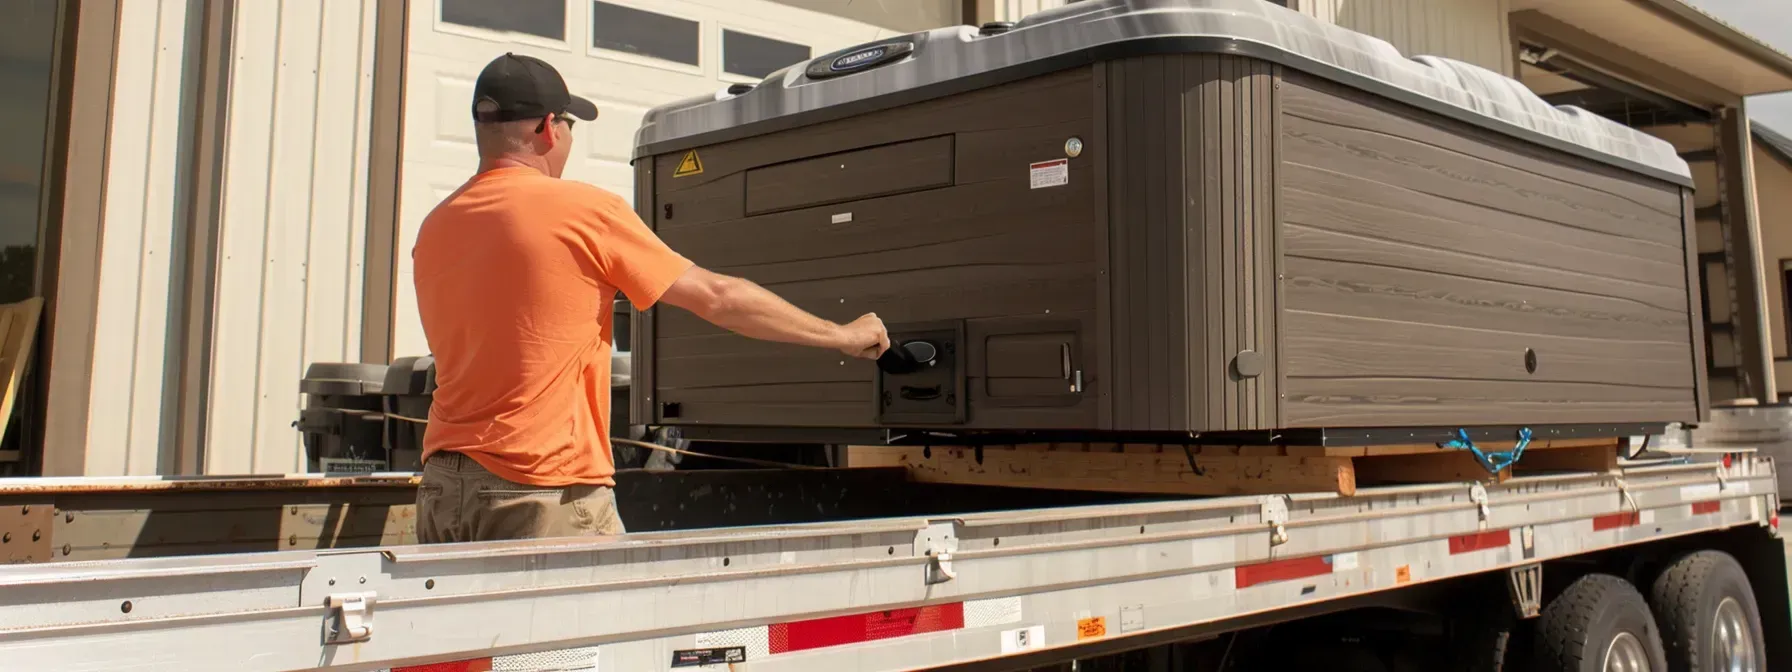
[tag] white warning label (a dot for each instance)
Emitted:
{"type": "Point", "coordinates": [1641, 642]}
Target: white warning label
{"type": "Point", "coordinates": [1054, 173]}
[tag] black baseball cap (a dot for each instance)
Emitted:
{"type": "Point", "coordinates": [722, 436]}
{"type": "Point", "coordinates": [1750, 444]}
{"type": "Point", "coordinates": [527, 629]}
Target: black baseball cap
{"type": "Point", "coordinates": [525, 87]}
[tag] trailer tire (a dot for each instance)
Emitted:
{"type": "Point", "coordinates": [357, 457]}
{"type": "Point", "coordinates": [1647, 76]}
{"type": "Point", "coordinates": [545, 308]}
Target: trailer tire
{"type": "Point", "coordinates": [1483, 641]}
{"type": "Point", "coordinates": [1708, 615]}
{"type": "Point", "coordinates": [1597, 617]}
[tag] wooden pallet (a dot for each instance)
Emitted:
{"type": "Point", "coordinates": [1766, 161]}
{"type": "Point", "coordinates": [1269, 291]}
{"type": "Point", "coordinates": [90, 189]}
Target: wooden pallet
{"type": "Point", "coordinates": [18, 333]}
{"type": "Point", "coordinates": [1221, 470]}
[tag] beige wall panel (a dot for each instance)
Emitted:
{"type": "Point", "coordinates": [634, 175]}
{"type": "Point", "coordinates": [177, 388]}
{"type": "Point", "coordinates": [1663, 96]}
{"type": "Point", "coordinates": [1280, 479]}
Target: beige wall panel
{"type": "Point", "coordinates": [1773, 201]}
{"type": "Point", "coordinates": [294, 211]}
{"type": "Point", "coordinates": [125, 427]}
{"type": "Point", "coordinates": [1015, 10]}
{"type": "Point", "coordinates": [1474, 31]}
{"type": "Point", "coordinates": [901, 16]}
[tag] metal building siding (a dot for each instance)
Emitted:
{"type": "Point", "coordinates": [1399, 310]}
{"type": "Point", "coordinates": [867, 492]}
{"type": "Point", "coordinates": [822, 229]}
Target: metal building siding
{"type": "Point", "coordinates": [142, 212]}
{"type": "Point", "coordinates": [293, 220]}
{"type": "Point", "coordinates": [1015, 10]}
{"type": "Point", "coordinates": [1475, 31]}
{"type": "Point", "coordinates": [1773, 202]}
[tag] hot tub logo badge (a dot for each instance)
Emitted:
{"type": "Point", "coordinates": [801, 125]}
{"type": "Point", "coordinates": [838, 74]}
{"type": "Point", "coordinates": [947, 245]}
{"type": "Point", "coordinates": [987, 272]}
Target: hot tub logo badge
{"type": "Point", "coordinates": [858, 58]}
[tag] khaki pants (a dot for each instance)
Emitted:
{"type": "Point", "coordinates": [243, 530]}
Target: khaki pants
{"type": "Point", "coordinates": [460, 501]}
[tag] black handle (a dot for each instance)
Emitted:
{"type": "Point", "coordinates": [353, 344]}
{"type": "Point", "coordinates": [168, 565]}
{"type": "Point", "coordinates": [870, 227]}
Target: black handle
{"type": "Point", "coordinates": [920, 393]}
{"type": "Point", "coordinates": [908, 357]}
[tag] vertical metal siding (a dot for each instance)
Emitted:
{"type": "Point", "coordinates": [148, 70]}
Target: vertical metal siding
{"type": "Point", "coordinates": [1773, 198]}
{"type": "Point", "coordinates": [294, 194]}
{"type": "Point", "coordinates": [1475, 31]}
{"type": "Point", "coordinates": [1015, 10]}
{"type": "Point", "coordinates": [125, 425]}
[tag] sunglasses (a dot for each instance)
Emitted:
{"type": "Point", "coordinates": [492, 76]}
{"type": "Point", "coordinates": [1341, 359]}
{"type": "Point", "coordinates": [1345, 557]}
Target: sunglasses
{"type": "Point", "coordinates": [569, 119]}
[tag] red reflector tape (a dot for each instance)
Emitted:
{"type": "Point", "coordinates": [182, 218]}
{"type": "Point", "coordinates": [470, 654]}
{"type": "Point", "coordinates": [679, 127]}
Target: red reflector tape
{"type": "Point", "coordinates": [837, 630]}
{"type": "Point", "coordinates": [1469, 543]}
{"type": "Point", "coordinates": [1282, 570]}
{"type": "Point", "coordinates": [476, 665]}
{"type": "Point", "coordinates": [1617, 520]}
{"type": "Point", "coordinates": [1702, 508]}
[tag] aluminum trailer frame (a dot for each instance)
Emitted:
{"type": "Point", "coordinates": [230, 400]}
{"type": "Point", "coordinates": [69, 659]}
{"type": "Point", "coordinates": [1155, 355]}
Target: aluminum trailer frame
{"type": "Point", "coordinates": [890, 594]}
{"type": "Point", "coordinates": [78, 519]}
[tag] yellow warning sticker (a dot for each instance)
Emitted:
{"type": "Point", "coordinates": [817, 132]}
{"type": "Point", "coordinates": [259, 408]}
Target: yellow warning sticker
{"type": "Point", "coordinates": [1090, 628]}
{"type": "Point", "coordinates": [691, 165]}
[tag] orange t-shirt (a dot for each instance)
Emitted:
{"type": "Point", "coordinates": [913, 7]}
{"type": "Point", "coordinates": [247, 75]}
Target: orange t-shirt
{"type": "Point", "coordinates": [515, 273]}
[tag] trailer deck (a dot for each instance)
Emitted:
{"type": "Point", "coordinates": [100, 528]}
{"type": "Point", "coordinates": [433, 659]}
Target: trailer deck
{"type": "Point", "coordinates": [1002, 588]}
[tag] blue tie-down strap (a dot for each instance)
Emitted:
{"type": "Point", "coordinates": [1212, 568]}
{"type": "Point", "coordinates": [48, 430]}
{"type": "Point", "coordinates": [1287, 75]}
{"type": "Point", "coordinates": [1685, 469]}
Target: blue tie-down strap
{"type": "Point", "coordinates": [1493, 462]}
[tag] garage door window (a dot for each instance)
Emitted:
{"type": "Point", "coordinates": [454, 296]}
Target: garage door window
{"type": "Point", "coordinates": [541, 18]}
{"type": "Point", "coordinates": [643, 33]}
{"type": "Point", "coordinates": [750, 55]}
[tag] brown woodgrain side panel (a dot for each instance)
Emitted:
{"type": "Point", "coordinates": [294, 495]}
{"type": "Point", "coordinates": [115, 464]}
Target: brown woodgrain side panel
{"type": "Point", "coordinates": [1230, 219]}
{"type": "Point", "coordinates": [1191, 222]}
{"type": "Point", "coordinates": [1064, 94]}
{"type": "Point", "coordinates": [988, 249]}
{"type": "Point", "coordinates": [641, 331]}
{"type": "Point", "coordinates": [1206, 208]}
{"type": "Point", "coordinates": [1700, 332]}
{"type": "Point", "coordinates": [1620, 191]}
{"type": "Point", "coordinates": [1409, 402]}
{"type": "Point", "coordinates": [1098, 152]}
{"type": "Point", "coordinates": [722, 200]}
{"type": "Point", "coordinates": [1269, 241]}
{"type": "Point", "coordinates": [1327, 196]}
{"type": "Point", "coordinates": [848, 176]}
{"type": "Point", "coordinates": [1152, 342]}
{"type": "Point", "coordinates": [1278, 198]}
{"type": "Point", "coordinates": [1328, 125]}
{"type": "Point", "coordinates": [1423, 260]}
{"type": "Point", "coordinates": [1339, 346]}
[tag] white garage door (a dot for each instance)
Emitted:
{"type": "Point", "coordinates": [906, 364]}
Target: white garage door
{"type": "Point", "coordinates": [625, 55]}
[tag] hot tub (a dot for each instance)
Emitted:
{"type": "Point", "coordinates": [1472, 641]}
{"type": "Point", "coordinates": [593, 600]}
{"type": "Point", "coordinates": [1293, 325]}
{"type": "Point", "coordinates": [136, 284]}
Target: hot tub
{"type": "Point", "coordinates": [1173, 216]}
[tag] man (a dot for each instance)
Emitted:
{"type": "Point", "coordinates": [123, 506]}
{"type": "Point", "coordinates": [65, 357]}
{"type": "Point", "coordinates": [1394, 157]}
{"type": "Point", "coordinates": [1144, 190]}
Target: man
{"type": "Point", "coordinates": [515, 273]}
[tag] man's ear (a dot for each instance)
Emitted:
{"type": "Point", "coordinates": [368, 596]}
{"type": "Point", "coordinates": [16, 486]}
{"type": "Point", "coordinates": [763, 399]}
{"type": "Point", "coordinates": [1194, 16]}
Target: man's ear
{"type": "Point", "coordinates": [547, 134]}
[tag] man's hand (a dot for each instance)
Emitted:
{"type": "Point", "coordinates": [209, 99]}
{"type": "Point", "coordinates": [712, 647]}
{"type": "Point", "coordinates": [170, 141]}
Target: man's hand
{"type": "Point", "coordinates": [864, 337]}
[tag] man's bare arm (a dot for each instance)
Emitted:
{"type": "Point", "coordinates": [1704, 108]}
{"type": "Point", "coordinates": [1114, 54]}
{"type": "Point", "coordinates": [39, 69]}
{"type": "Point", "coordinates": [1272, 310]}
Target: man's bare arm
{"type": "Point", "coordinates": [745, 308]}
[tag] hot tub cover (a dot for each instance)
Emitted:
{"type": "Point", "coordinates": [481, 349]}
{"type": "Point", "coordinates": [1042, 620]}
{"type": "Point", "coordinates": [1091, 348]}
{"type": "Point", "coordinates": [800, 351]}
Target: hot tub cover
{"type": "Point", "coordinates": [946, 61]}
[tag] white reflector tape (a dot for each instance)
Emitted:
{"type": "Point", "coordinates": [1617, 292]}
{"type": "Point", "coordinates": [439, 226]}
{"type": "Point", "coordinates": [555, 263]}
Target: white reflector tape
{"type": "Point", "coordinates": [564, 660]}
{"type": "Point", "coordinates": [757, 640]}
{"type": "Point", "coordinates": [997, 611]}
{"type": "Point", "coordinates": [1698, 492]}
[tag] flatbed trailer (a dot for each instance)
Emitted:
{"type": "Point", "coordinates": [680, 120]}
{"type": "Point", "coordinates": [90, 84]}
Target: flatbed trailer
{"type": "Point", "coordinates": [994, 588]}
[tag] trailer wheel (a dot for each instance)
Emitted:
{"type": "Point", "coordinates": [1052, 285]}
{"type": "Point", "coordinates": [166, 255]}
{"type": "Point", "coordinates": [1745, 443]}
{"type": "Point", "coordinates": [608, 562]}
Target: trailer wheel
{"type": "Point", "coordinates": [1709, 619]}
{"type": "Point", "coordinates": [1482, 641]}
{"type": "Point", "coordinates": [1600, 623]}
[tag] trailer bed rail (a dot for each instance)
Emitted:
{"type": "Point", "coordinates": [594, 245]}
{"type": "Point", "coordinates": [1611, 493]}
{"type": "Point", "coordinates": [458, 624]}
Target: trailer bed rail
{"type": "Point", "coordinates": [884, 594]}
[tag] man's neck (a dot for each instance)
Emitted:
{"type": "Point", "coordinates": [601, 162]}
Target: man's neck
{"type": "Point", "coordinates": [536, 163]}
